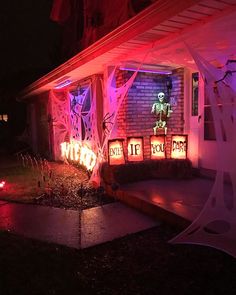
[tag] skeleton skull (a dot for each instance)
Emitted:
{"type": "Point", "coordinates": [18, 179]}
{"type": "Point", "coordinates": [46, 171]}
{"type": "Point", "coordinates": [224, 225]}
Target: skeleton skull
{"type": "Point", "coordinates": [161, 96]}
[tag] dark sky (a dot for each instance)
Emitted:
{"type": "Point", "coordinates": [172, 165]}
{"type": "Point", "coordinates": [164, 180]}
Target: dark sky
{"type": "Point", "coordinates": [27, 35]}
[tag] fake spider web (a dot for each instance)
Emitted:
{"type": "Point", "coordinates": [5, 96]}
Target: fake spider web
{"type": "Point", "coordinates": [77, 99]}
{"type": "Point", "coordinates": [114, 98]}
{"type": "Point", "coordinates": [61, 119]}
{"type": "Point", "coordinates": [216, 224]}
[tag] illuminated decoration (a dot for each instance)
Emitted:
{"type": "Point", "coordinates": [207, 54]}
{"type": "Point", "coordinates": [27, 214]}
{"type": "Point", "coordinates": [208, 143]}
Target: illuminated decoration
{"type": "Point", "coordinates": [179, 145]}
{"type": "Point", "coordinates": [158, 149]}
{"type": "Point", "coordinates": [162, 110]}
{"type": "Point", "coordinates": [2, 184]}
{"type": "Point", "coordinates": [116, 152]}
{"type": "Point", "coordinates": [77, 152]}
{"type": "Point", "coordinates": [135, 148]}
{"type": "Point", "coordinates": [63, 84]}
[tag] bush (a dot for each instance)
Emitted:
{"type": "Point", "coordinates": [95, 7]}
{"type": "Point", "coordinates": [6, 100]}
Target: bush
{"type": "Point", "coordinates": [131, 172]}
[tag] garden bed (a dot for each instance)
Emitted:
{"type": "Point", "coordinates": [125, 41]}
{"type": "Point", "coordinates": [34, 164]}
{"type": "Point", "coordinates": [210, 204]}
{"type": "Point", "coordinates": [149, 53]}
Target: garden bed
{"type": "Point", "coordinates": [51, 184]}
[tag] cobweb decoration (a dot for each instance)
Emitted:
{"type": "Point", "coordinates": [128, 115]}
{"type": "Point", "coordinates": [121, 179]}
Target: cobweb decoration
{"type": "Point", "coordinates": [77, 98]}
{"type": "Point", "coordinates": [91, 134]}
{"type": "Point", "coordinates": [216, 224]}
{"type": "Point", "coordinates": [114, 98]}
{"type": "Point", "coordinates": [61, 119]}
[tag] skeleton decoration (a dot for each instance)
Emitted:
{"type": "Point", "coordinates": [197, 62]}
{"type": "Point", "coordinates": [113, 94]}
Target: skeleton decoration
{"type": "Point", "coordinates": [163, 110]}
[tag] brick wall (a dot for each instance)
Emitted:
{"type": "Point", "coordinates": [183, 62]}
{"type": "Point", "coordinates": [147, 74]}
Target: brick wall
{"type": "Point", "coordinates": [135, 117]}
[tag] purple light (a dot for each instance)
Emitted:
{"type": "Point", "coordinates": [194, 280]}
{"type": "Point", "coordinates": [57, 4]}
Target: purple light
{"type": "Point", "coordinates": [162, 72]}
{"type": "Point", "coordinates": [63, 84]}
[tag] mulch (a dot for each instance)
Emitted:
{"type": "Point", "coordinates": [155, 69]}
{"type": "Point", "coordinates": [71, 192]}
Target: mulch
{"type": "Point", "coordinates": [70, 189]}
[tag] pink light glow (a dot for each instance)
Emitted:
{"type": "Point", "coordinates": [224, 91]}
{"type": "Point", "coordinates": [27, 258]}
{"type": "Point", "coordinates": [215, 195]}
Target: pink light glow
{"type": "Point", "coordinates": [161, 72]}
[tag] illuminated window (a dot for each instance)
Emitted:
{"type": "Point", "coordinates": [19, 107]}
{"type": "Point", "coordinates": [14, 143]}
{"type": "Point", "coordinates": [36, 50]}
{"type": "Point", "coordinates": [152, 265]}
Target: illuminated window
{"type": "Point", "coordinates": [4, 117]}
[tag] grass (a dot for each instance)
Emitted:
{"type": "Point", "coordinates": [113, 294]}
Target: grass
{"type": "Point", "coordinates": [21, 184]}
{"type": "Point", "coordinates": [25, 184]}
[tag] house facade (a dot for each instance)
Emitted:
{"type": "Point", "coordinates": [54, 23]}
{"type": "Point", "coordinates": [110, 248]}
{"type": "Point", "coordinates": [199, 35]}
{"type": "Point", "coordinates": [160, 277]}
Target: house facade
{"type": "Point", "coordinates": [136, 94]}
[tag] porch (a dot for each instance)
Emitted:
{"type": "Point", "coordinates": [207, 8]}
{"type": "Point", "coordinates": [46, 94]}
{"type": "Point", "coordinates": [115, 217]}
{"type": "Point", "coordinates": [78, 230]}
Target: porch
{"type": "Point", "coordinates": [175, 201]}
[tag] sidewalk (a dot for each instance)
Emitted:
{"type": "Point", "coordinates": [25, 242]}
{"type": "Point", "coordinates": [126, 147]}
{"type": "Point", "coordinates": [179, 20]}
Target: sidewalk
{"type": "Point", "coordinates": [67, 227]}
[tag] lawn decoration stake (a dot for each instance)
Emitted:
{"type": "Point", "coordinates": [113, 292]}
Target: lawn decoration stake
{"type": "Point", "coordinates": [163, 110]}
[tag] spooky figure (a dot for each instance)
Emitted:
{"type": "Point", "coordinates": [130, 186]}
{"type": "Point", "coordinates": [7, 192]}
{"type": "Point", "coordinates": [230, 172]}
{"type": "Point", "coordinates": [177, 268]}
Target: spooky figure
{"type": "Point", "coordinates": [162, 110]}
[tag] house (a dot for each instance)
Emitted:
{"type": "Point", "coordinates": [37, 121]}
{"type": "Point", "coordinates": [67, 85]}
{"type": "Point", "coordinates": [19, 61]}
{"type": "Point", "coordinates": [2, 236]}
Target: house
{"type": "Point", "coordinates": [104, 96]}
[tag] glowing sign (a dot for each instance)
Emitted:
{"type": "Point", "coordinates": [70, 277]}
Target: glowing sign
{"type": "Point", "coordinates": [179, 146]}
{"type": "Point", "coordinates": [158, 150]}
{"type": "Point", "coordinates": [135, 148]}
{"type": "Point", "coordinates": [75, 151]}
{"type": "Point", "coordinates": [116, 152]}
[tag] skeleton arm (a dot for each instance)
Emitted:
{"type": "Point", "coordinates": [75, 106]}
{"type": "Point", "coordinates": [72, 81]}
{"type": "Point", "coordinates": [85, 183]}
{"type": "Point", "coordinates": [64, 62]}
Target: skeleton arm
{"type": "Point", "coordinates": [153, 108]}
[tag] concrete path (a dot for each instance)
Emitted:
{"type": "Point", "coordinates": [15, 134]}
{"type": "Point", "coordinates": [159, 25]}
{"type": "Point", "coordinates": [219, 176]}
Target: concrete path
{"type": "Point", "coordinates": [68, 227]}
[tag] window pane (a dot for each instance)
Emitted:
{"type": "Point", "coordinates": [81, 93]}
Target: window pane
{"type": "Point", "coordinates": [195, 82]}
{"type": "Point", "coordinates": [209, 131]}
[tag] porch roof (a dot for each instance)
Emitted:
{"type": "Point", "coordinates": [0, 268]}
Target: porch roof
{"type": "Point", "coordinates": [160, 30]}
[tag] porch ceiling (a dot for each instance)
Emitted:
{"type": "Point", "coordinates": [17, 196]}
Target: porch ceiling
{"type": "Point", "coordinates": [160, 30]}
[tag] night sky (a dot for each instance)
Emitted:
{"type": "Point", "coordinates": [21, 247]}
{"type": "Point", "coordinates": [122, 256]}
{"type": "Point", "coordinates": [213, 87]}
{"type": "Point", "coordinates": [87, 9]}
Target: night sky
{"type": "Point", "coordinates": [29, 48]}
{"type": "Point", "coordinates": [28, 38]}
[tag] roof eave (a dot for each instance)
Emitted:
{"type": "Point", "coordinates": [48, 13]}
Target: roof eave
{"type": "Point", "coordinates": [158, 12]}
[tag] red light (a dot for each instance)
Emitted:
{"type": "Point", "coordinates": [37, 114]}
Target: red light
{"type": "Point", "coordinates": [2, 184]}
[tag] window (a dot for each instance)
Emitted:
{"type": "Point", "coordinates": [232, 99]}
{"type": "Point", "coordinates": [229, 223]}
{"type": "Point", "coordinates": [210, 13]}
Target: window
{"type": "Point", "coordinates": [195, 85]}
{"type": "Point", "coordinates": [4, 117]}
{"type": "Point", "coordinates": [209, 128]}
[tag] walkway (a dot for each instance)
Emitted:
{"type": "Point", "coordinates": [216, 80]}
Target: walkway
{"type": "Point", "coordinates": [173, 201]}
{"type": "Point", "coordinates": [68, 227]}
